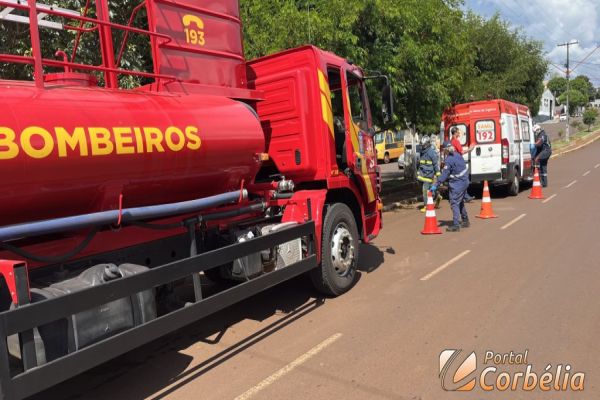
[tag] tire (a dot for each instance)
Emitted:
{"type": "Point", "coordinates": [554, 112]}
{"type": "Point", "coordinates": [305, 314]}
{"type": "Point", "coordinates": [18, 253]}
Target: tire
{"type": "Point", "coordinates": [515, 186]}
{"type": "Point", "coordinates": [335, 276]}
{"type": "Point", "coordinates": [386, 158]}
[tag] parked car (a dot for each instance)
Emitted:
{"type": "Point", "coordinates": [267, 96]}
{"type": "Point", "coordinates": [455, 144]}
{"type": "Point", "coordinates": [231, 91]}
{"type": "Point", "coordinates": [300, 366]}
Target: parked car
{"type": "Point", "coordinates": [563, 117]}
{"type": "Point", "coordinates": [401, 161]}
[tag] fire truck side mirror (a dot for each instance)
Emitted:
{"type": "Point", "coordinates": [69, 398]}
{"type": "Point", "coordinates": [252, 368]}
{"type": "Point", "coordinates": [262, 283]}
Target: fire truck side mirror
{"type": "Point", "coordinates": [387, 104]}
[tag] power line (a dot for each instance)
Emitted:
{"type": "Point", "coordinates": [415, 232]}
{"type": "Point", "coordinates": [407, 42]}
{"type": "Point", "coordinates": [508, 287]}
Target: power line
{"type": "Point", "coordinates": [586, 63]}
{"type": "Point", "coordinates": [585, 58]}
{"type": "Point", "coordinates": [557, 67]}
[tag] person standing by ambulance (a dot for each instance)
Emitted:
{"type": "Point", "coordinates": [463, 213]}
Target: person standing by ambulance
{"type": "Point", "coordinates": [543, 152]}
{"type": "Point", "coordinates": [455, 135]}
{"type": "Point", "coordinates": [428, 169]}
{"type": "Point", "coordinates": [456, 173]}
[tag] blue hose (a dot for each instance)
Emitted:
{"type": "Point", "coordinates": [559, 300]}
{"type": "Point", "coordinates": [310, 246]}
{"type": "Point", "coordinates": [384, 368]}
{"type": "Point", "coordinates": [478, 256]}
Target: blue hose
{"type": "Point", "coordinates": [105, 218]}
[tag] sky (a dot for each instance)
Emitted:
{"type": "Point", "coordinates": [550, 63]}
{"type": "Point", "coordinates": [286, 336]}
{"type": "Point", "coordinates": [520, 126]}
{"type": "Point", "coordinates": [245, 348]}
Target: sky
{"type": "Point", "coordinates": [554, 22]}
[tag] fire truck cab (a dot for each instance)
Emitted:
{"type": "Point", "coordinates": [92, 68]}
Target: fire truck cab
{"type": "Point", "coordinates": [500, 134]}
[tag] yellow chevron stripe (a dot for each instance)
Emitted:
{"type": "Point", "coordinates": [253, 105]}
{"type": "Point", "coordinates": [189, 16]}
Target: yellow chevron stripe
{"type": "Point", "coordinates": [356, 145]}
{"type": "Point", "coordinates": [326, 101]}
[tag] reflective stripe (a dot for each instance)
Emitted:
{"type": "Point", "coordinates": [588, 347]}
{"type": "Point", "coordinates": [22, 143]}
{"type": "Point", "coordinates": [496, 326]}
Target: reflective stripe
{"type": "Point", "coordinates": [426, 162]}
{"type": "Point", "coordinates": [460, 175]}
{"type": "Point", "coordinates": [430, 214]}
{"type": "Point", "coordinates": [423, 179]}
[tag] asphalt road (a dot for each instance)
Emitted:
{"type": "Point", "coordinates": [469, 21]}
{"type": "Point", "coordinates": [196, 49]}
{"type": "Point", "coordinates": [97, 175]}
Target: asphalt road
{"type": "Point", "coordinates": [529, 280]}
{"type": "Point", "coordinates": [391, 171]}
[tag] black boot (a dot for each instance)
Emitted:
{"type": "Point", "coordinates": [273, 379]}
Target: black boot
{"type": "Point", "coordinates": [465, 223]}
{"type": "Point", "coordinates": [453, 228]}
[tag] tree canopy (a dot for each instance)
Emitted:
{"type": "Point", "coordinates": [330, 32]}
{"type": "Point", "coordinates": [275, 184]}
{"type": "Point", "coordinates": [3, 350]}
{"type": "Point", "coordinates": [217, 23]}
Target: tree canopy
{"type": "Point", "coordinates": [557, 85]}
{"type": "Point", "coordinates": [434, 53]}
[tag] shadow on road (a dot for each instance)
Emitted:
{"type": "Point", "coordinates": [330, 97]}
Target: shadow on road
{"type": "Point", "coordinates": [371, 257]}
{"type": "Point", "coordinates": [161, 364]}
{"type": "Point", "coordinates": [158, 369]}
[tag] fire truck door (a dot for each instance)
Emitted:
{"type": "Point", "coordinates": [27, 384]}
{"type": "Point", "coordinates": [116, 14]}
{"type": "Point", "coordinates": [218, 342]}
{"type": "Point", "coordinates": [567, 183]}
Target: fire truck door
{"type": "Point", "coordinates": [362, 159]}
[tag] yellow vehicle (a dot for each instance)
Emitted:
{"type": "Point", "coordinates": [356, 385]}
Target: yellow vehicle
{"type": "Point", "coordinates": [389, 145]}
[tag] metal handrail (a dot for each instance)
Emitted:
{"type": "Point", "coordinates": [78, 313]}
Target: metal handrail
{"type": "Point", "coordinates": [40, 62]}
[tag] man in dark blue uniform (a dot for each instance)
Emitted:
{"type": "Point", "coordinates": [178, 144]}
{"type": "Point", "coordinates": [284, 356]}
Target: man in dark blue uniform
{"type": "Point", "coordinates": [543, 152]}
{"type": "Point", "coordinates": [456, 173]}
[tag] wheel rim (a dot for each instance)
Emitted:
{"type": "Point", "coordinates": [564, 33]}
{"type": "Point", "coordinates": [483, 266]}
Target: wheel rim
{"type": "Point", "coordinates": [342, 250]}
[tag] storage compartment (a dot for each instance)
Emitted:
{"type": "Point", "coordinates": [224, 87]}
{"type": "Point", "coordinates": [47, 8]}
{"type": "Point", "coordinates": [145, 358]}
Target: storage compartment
{"type": "Point", "coordinates": [59, 338]}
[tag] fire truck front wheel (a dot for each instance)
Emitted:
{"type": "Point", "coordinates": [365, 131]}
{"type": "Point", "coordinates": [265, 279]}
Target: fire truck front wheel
{"type": "Point", "coordinates": [340, 245]}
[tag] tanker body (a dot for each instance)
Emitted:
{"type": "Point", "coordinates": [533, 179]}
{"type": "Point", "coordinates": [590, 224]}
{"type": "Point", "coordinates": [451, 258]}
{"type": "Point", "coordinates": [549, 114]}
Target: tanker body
{"type": "Point", "coordinates": [78, 150]}
{"type": "Point", "coordinates": [114, 201]}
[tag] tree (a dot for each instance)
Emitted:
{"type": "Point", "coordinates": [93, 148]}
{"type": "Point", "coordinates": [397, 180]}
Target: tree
{"type": "Point", "coordinates": [507, 64]}
{"type": "Point", "coordinates": [14, 39]}
{"type": "Point", "coordinates": [557, 85]}
{"type": "Point", "coordinates": [589, 117]}
{"type": "Point", "coordinates": [582, 84]}
{"type": "Point", "coordinates": [576, 100]}
{"type": "Point", "coordinates": [420, 45]}
{"type": "Point", "coordinates": [416, 43]}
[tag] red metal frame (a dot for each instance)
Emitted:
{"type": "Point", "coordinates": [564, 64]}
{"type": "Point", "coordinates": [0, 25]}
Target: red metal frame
{"type": "Point", "coordinates": [7, 270]}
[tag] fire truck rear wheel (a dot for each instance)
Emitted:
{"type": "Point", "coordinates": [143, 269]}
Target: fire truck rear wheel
{"type": "Point", "coordinates": [340, 245]}
{"type": "Point", "coordinates": [386, 158]}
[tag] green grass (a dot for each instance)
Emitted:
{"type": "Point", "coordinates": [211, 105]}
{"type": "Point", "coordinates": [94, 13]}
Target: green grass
{"type": "Point", "coordinates": [582, 134]}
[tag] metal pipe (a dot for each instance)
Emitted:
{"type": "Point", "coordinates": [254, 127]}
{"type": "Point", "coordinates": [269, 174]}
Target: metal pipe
{"type": "Point", "coordinates": [105, 218]}
{"type": "Point", "coordinates": [258, 207]}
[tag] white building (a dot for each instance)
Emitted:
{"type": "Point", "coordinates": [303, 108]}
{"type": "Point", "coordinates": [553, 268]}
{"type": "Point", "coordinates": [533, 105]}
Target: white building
{"type": "Point", "coordinates": [595, 103]}
{"type": "Point", "coordinates": [548, 104]}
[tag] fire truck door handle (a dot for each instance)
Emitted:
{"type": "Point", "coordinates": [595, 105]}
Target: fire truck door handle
{"type": "Point", "coordinates": [478, 151]}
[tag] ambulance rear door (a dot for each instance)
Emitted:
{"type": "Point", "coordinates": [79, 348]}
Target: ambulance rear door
{"type": "Point", "coordinates": [486, 157]}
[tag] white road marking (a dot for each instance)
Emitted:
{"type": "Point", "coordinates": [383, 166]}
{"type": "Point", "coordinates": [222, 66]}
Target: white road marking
{"type": "Point", "coordinates": [597, 166]}
{"type": "Point", "coordinates": [549, 198]}
{"type": "Point", "coordinates": [514, 221]}
{"type": "Point", "coordinates": [289, 368]}
{"type": "Point", "coordinates": [570, 184]}
{"type": "Point", "coordinates": [587, 173]}
{"type": "Point", "coordinates": [446, 265]}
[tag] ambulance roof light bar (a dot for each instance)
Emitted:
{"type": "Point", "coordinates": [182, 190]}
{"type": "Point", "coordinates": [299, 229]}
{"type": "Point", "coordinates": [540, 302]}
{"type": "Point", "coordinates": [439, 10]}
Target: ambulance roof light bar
{"type": "Point", "coordinates": [7, 15]}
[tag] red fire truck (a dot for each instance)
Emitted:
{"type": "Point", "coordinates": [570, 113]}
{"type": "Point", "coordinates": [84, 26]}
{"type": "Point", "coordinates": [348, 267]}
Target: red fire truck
{"type": "Point", "coordinates": [111, 199]}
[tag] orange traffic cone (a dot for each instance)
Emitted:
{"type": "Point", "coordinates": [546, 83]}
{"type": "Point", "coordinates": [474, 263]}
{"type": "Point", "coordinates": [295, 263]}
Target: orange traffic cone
{"type": "Point", "coordinates": [431, 224]}
{"type": "Point", "coordinates": [536, 189]}
{"type": "Point", "coordinates": [486, 204]}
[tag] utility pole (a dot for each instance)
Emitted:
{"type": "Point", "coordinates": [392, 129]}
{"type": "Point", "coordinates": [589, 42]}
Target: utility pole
{"type": "Point", "coordinates": [568, 45]}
